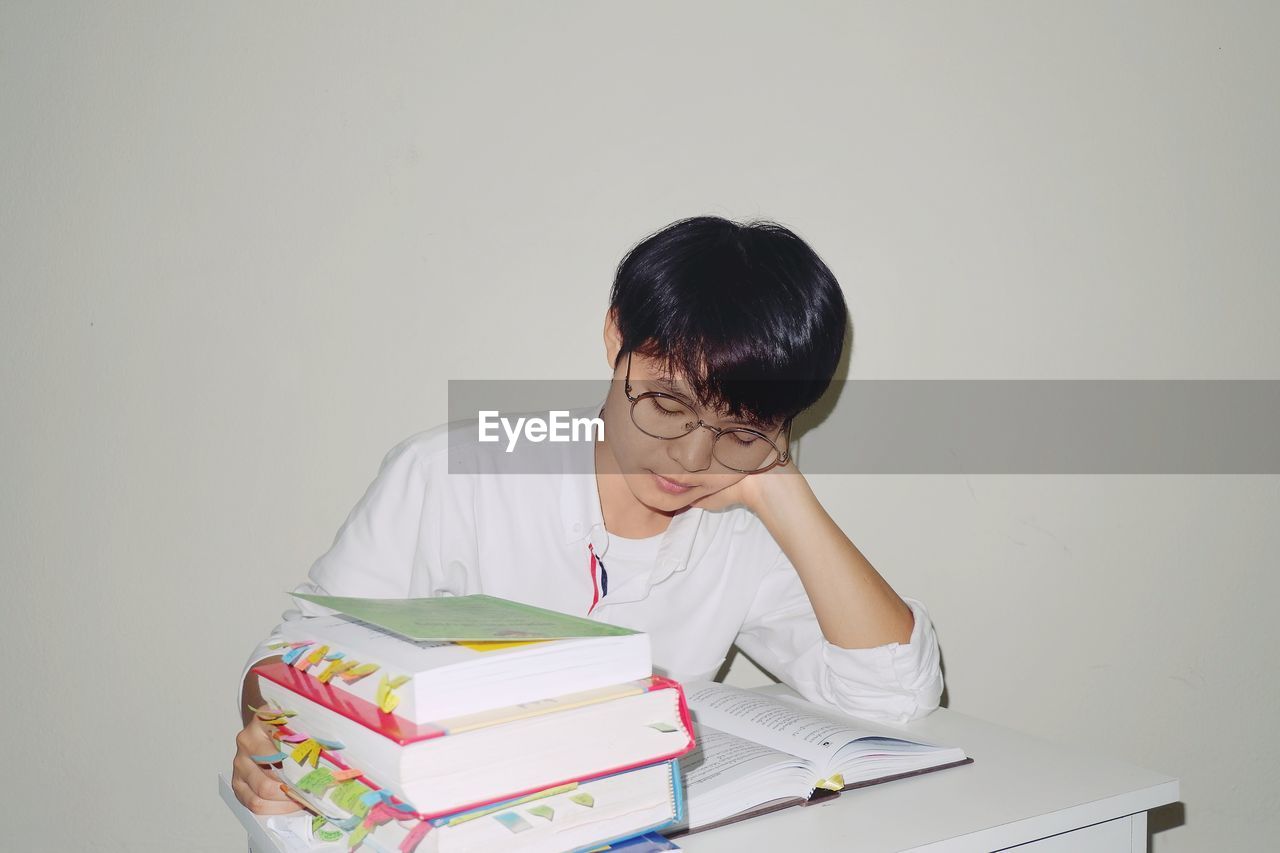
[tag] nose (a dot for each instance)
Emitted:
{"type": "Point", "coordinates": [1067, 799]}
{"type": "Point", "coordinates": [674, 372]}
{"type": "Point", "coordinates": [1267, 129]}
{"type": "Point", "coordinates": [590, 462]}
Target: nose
{"type": "Point", "coordinates": [693, 451]}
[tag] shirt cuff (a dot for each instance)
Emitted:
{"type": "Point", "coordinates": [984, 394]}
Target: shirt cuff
{"type": "Point", "coordinates": [892, 683]}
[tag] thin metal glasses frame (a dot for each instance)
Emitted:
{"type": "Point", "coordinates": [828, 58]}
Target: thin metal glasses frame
{"type": "Point", "coordinates": [784, 456]}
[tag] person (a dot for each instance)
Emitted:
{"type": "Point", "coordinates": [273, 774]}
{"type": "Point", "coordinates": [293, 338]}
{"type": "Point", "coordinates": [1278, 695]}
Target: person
{"type": "Point", "coordinates": [686, 518]}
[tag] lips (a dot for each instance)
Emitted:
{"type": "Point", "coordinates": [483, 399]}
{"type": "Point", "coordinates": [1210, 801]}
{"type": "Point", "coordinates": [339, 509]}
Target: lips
{"type": "Point", "coordinates": [674, 487]}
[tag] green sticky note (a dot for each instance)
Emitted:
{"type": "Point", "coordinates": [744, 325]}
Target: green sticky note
{"type": "Point", "coordinates": [475, 618]}
{"type": "Point", "coordinates": [347, 797]}
{"type": "Point", "coordinates": [317, 781]}
{"type": "Point", "coordinates": [663, 727]}
{"type": "Point", "coordinates": [584, 799]}
{"type": "Point", "coordinates": [543, 812]}
{"type": "Point", "coordinates": [357, 835]}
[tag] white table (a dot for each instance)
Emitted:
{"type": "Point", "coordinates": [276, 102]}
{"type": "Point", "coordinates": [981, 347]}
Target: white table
{"type": "Point", "coordinates": [1020, 792]}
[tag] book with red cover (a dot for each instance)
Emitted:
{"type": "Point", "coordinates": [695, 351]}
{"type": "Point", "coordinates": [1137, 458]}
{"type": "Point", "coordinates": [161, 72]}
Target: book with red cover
{"type": "Point", "coordinates": [447, 766]}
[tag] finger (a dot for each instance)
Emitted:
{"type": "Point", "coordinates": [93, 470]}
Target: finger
{"type": "Point", "coordinates": [260, 781]}
{"type": "Point", "coordinates": [245, 767]}
{"type": "Point", "coordinates": [258, 805]}
{"type": "Point", "coordinates": [268, 788]}
{"type": "Point", "coordinates": [255, 741]}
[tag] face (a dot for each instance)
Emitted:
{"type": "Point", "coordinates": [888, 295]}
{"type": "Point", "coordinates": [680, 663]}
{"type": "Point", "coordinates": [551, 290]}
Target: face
{"type": "Point", "coordinates": [666, 475]}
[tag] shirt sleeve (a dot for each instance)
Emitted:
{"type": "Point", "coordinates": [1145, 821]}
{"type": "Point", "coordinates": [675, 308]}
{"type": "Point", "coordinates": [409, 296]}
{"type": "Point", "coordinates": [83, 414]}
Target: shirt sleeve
{"type": "Point", "coordinates": [373, 553]}
{"type": "Point", "coordinates": [892, 683]}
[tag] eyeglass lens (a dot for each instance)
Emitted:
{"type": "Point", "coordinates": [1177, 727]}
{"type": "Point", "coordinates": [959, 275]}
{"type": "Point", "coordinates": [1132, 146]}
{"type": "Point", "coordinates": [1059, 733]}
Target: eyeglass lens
{"type": "Point", "coordinates": [666, 417]}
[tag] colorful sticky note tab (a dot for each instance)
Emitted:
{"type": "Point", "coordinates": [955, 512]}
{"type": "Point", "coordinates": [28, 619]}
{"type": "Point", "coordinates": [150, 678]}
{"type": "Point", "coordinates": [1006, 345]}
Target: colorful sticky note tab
{"type": "Point", "coordinates": [268, 759]}
{"type": "Point", "coordinates": [582, 798]}
{"type": "Point", "coordinates": [398, 681]}
{"type": "Point", "coordinates": [349, 773]}
{"type": "Point", "coordinates": [386, 698]}
{"type": "Point", "coordinates": [335, 656]}
{"type": "Point", "coordinates": [663, 727]}
{"type": "Point", "coordinates": [317, 781]}
{"type": "Point", "coordinates": [358, 672]}
{"type": "Point", "coordinates": [543, 812]}
{"type": "Point", "coordinates": [357, 835]}
{"type": "Point", "coordinates": [415, 836]}
{"type": "Point", "coordinates": [324, 833]}
{"type": "Point", "coordinates": [309, 660]}
{"type": "Point", "coordinates": [307, 752]}
{"type": "Point", "coordinates": [334, 668]}
{"type": "Point", "coordinates": [512, 821]}
{"type": "Point", "coordinates": [291, 657]}
{"type": "Point", "coordinates": [331, 744]}
{"type": "Point", "coordinates": [831, 783]}
{"type": "Point", "coordinates": [347, 797]}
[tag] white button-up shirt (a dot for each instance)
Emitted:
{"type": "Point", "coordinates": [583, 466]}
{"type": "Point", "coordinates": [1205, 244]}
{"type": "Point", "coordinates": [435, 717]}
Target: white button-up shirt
{"type": "Point", "coordinates": [426, 527]}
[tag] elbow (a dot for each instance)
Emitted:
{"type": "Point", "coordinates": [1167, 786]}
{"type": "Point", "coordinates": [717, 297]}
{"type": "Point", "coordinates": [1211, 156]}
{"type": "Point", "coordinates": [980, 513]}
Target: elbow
{"type": "Point", "coordinates": [881, 687]}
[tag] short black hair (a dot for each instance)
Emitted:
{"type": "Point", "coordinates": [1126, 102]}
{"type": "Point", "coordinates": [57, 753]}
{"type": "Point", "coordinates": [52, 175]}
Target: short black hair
{"type": "Point", "coordinates": [747, 312]}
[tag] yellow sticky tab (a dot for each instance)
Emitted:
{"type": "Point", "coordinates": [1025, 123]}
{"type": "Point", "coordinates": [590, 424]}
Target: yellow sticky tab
{"type": "Point", "coordinates": [831, 783]}
{"type": "Point", "coordinates": [494, 645]}
{"type": "Point", "coordinates": [309, 660]}
{"type": "Point", "coordinates": [358, 672]}
{"type": "Point", "coordinates": [307, 752]}
{"type": "Point", "coordinates": [386, 698]}
{"type": "Point", "coordinates": [398, 681]}
{"type": "Point", "coordinates": [335, 667]}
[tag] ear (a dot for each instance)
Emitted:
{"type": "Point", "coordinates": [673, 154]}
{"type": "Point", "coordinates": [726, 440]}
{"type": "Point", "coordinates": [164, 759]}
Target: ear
{"type": "Point", "coordinates": [612, 339]}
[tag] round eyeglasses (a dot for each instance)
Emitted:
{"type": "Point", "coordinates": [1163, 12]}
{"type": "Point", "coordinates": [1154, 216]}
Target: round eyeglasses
{"type": "Point", "coordinates": [667, 417]}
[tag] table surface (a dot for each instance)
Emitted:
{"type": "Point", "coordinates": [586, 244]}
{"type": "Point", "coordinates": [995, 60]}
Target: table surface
{"type": "Point", "coordinates": [1020, 788]}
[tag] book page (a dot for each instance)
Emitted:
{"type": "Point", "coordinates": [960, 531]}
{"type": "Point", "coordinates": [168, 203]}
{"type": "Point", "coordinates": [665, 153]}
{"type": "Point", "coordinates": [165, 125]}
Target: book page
{"type": "Point", "coordinates": [722, 759]}
{"type": "Point", "coordinates": [803, 731]}
{"type": "Point", "coordinates": [726, 774]}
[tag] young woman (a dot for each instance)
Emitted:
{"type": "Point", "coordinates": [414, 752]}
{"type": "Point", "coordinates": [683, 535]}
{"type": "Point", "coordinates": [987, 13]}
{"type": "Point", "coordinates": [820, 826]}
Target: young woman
{"type": "Point", "coordinates": [687, 520]}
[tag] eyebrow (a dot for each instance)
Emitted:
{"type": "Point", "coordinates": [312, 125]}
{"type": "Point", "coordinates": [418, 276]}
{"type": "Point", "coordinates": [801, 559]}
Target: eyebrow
{"type": "Point", "coordinates": [667, 385]}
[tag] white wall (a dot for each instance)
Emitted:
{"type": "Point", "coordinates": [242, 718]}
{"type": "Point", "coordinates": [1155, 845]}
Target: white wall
{"type": "Point", "coordinates": [243, 246]}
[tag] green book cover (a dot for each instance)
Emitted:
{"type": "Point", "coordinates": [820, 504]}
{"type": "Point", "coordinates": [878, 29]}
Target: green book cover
{"type": "Point", "coordinates": [470, 618]}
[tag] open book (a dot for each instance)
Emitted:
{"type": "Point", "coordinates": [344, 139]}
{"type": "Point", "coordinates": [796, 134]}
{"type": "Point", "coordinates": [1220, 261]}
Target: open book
{"type": "Point", "coordinates": [758, 753]}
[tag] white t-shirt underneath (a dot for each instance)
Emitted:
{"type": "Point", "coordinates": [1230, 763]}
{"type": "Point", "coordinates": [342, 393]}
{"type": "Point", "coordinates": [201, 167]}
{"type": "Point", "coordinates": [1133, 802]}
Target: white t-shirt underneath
{"type": "Point", "coordinates": [629, 561]}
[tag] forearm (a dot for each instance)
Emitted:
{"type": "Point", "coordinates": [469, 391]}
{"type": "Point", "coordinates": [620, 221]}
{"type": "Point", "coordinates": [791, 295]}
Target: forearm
{"type": "Point", "coordinates": [856, 608]}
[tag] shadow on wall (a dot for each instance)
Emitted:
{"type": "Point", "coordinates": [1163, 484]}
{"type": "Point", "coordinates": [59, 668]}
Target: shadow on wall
{"type": "Point", "coordinates": [1162, 818]}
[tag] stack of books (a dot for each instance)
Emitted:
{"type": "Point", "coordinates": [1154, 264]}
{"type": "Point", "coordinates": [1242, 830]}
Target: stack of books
{"type": "Point", "coordinates": [471, 723]}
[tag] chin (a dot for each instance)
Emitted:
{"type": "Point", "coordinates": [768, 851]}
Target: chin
{"type": "Point", "coordinates": [649, 494]}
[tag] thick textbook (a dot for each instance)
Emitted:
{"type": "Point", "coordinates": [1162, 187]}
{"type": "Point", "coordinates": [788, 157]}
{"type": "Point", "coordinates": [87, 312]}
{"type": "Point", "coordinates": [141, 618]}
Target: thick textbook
{"type": "Point", "coordinates": [464, 762]}
{"type": "Point", "coordinates": [758, 753]}
{"type": "Point", "coordinates": [434, 680]}
{"type": "Point", "coordinates": [578, 816]}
